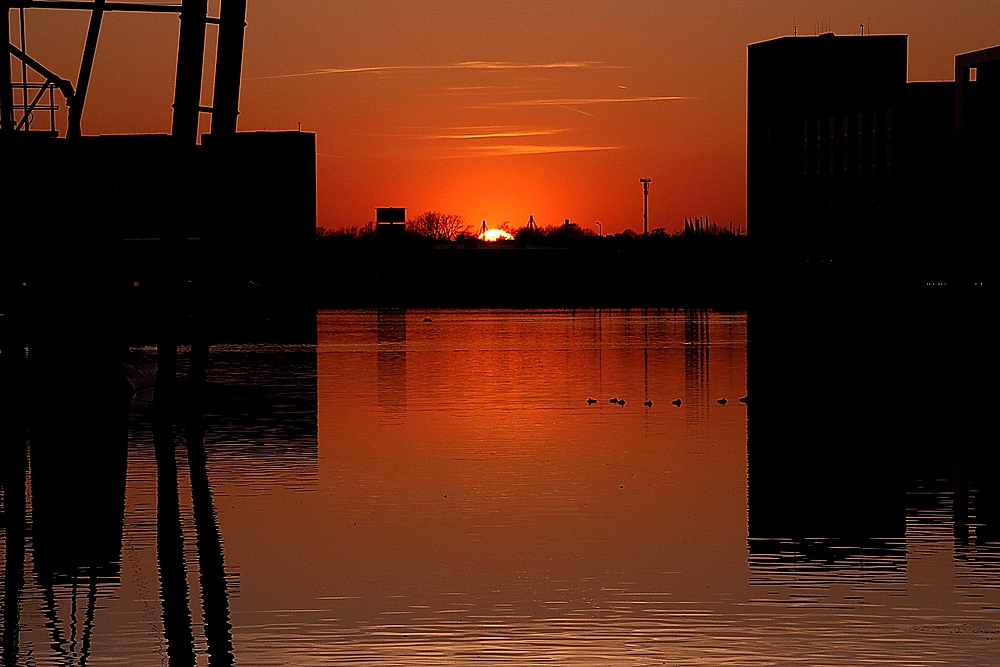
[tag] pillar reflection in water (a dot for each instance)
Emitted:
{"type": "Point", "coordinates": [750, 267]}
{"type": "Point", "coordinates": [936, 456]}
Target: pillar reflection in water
{"type": "Point", "coordinates": [170, 539]}
{"type": "Point", "coordinates": [79, 457]}
{"type": "Point", "coordinates": [13, 468]}
{"type": "Point", "coordinates": [391, 358]}
{"type": "Point", "coordinates": [170, 545]}
{"type": "Point", "coordinates": [696, 364]}
{"type": "Point", "coordinates": [211, 563]}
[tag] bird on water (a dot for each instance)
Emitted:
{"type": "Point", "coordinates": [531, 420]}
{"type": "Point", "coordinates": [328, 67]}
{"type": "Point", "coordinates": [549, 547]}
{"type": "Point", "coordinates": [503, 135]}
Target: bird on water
{"type": "Point", "coordinates": [648, 403]}
{"type": "Point", "coordinates": [676, 402]}
{"type": "Point", "coordinates": [621, 401]}
{"type": "Point", "coordinates": [613, 400]}
{"type": "Point", "coordinates": [591, 401]}
{"type": "Point", "coordinates": [722, 401]}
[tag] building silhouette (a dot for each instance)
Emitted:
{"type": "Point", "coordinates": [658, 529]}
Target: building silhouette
{"type": "Point", "coordinates": [849, 162]}
{"type": "Point", "coordinates": [121, 229]}
{"type": "Point", "coordinates": [977, 144]}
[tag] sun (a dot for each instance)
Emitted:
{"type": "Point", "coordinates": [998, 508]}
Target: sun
{"type": "Point", "coordinates": [493, 235]}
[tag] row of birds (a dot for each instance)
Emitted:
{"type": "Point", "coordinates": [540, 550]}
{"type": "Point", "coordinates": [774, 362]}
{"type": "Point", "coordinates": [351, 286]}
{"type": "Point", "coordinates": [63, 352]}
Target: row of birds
{"type": "Point", "coordinates": [648, 403]}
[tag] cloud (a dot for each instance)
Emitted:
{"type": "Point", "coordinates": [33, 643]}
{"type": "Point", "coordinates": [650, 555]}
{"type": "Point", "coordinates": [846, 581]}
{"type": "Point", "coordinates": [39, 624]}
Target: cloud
{"type": "Point", "coordinates": [520, 149]}
{"type": "Point", "coordinates": [481, 65]}
{"type": "Point", "coordinates": [491, 133]}
{"type": "Point", "coordinates": [580, 101]}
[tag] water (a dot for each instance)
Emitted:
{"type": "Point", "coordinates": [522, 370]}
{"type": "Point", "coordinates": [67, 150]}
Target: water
{"type": "Point", "coordinates": [412, 492]}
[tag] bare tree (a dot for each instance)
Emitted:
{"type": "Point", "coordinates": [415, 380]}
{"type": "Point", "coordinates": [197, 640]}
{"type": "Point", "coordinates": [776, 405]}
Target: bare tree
{"type": "Point", "coordinates": [438, 226]}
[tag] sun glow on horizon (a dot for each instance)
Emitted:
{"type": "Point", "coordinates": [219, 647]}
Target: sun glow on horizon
{"type": "Point", "coordinates": [494, 235]}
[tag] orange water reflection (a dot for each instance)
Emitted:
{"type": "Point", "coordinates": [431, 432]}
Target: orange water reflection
{"type": "Point", "coordinates": [463, 503]}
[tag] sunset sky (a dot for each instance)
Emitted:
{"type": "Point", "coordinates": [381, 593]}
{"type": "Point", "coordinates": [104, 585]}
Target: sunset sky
{"type": "Point", "coordinates": [500, 110]}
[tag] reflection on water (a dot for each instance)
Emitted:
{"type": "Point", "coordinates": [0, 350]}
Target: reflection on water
{"type": "Point", "coordinates": [696, 363]}
{"type": "Point", "coordinates": [434, 488]}
{"type": "Point", "coordinates": [392, 365]}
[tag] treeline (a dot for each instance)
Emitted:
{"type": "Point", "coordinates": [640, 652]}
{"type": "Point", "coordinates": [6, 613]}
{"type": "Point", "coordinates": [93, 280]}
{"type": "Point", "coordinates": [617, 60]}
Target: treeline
{"type": "Point", "coordinates": [440, 263]}
{"type": "Point", "coordinates": [450, 228]}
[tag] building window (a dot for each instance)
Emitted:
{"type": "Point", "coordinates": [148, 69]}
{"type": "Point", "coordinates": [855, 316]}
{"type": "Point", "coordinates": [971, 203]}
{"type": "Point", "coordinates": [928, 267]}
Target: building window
{"type": "Point", "coordinates": [972, 74]}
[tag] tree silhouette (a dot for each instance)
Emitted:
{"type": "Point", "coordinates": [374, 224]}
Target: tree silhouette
{"type": "Point", "coordinates": [438, 226]}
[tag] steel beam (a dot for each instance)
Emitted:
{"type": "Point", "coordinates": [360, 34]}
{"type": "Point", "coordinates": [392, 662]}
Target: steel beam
{"type": "Point", "coordinates": [73, 131]}
{"type": "Point", "coordinates": [89, 5]}
{"type": "Point", "coordinates": [190, 60]}
{"type": "Point", "coordinates": [65, 86]}
{"type": "Point", "coordinates": [6, 89]}
{"type": "Point", "coordinates": [229, 66]}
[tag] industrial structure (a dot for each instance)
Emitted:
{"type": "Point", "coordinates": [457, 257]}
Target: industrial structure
{"type": "Point", "coordinates": [390, 223]}
{"type": "Point", "coordinates": [645, 205]}
{"type": "Point", "coordinates": [138, 223]}
{"type": "Point", "coordinates": [847, 161]}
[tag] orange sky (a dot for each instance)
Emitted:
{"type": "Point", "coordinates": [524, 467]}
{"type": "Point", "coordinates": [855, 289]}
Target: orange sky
{"type": "Point", "coordinates": [498, 110]}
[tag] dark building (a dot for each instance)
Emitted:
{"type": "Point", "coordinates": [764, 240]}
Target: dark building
{"type": "Point", "coordinates": [977, 144]}
{"type": "Point", "coordinates": [110, 224]}
{"type": "Point", "coordinates": [822, 136]}
{"type": "Point", "coordinates": [860, 183]}
{"type": "Point", "coordinates": [114, 230]}
{"type": "Point", "coordinates": [848, 162]}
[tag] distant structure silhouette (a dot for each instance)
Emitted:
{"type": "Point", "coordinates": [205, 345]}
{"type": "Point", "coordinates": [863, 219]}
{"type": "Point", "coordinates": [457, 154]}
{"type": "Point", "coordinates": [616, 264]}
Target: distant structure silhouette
{"type": "Point", "coordinates": [390, 223]}
{"type": "Point", "coordinates": [645, 205]}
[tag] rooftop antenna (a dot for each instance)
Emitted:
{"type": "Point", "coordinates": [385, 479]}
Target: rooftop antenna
{"type": "Point", "coordinates": [645, 204]}
{"type": "Point", "coordinates": [482, 230]}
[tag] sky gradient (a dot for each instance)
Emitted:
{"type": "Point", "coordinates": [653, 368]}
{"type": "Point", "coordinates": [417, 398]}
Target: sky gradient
{"type": "Point", "coordinates": [500, 110]}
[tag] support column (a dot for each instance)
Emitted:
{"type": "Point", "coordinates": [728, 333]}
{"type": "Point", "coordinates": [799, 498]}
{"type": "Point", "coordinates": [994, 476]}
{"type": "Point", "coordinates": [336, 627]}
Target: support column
{"type": "Point", "coordinates": [73, 130]}
{"type": "Point", "coordinates": [6, 89]}
{"type": "Point", "coordinates": [190, 61]}
{"type": "Point", "coordinates": [229, 67]}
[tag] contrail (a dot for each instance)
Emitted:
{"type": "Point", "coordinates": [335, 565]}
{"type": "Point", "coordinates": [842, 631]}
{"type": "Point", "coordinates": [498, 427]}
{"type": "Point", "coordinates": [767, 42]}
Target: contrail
{"type": "Point", "coordinates": [482, 65]}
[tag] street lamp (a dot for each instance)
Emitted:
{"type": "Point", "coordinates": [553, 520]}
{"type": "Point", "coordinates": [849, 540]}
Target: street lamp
{"type": "Point", "coordinates": [600, 228]}
{"type": "Point", "coordinates": [645, 205]}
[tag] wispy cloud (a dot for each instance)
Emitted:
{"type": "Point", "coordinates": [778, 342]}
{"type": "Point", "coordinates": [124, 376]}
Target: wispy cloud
{"type": "Point", "coordinates": [580, 101]}
{"type": "Point", "coordinates": [487, 133]}
{"type": "Point", "coordinates": [478, 88]}
{"type": "Point", "coordinates": [522, 149]}
{"type": "Point", "coordinates": [482, 65]}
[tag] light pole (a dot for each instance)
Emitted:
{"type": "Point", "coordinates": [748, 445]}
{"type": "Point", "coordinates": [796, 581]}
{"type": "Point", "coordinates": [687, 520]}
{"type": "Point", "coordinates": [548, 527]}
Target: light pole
{"type": "Point", "coordinates": [600, 228]}
{"type": "Point", "coordinates": [645, 204]}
